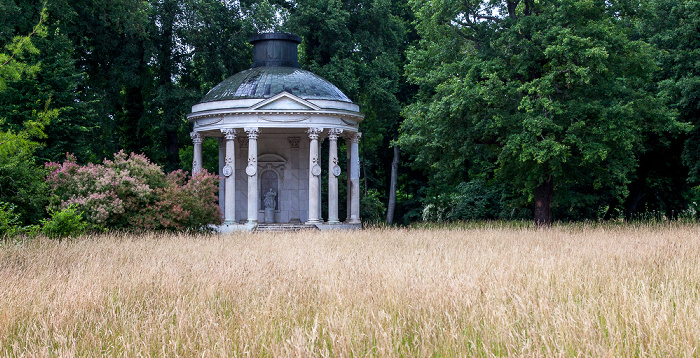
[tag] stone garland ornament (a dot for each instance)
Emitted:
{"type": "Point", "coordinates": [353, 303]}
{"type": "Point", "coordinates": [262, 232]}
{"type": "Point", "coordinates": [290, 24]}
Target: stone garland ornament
{"type": "Point", "coordinates": [336, 168]}
{"type": "Point", "coordinates": [315, 169]}
{"type": "Point", "coordinates": [252, 167]}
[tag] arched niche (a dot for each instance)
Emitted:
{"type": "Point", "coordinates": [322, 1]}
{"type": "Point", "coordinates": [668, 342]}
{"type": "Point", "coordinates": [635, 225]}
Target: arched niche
{"type": "Point", "coordinates": [271, 173]}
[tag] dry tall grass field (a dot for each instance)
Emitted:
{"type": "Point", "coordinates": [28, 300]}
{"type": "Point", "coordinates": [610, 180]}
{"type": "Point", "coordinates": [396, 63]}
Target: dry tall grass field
{"type": "Point", "coordinates": [565, 291]}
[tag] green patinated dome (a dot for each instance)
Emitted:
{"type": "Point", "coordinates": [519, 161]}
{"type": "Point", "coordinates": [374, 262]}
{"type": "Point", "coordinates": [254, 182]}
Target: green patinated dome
{"type": "Point", "coordinates": [266, 82]}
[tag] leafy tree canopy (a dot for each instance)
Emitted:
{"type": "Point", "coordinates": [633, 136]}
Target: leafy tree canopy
{"type": "Point", "coordinates": [549, 97]}
{"type": "Point", "coordinates": [21, 179]}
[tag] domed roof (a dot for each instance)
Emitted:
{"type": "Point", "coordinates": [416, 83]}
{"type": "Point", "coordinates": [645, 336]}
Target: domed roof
{"type": "Point", "coordinates": [268, 81]}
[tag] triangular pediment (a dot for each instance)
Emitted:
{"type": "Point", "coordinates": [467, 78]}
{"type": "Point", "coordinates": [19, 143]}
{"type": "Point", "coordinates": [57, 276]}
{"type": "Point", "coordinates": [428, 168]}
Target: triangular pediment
{"type": "Point", "coordinates": [285, 101]}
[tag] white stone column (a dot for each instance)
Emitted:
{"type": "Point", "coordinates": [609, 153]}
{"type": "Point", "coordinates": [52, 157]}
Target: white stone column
{"type": "Point", "coordinates": [252, 171]}
{"type": "Point", "coordinates": [314, 175]}
{"type": "Point", "coordinates": [229, 173]}
{"type": "Point", "coordinates": [333, 173]}
{"type": "Point", "coordinates": [222, 162]}
{"type": "Point", "coordinates": [348, 191]}
{"type": "Point", "coordinates": [355, 178]}
{"type": "Point", "coordinates": [320, 190]}
{"type": "Point", "coordinates": [197, 160]}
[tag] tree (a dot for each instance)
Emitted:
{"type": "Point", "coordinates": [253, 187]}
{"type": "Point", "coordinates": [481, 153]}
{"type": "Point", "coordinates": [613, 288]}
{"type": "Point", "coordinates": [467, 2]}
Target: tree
{"type": "Point", "coordinates": [21, 179]}
{"type": "Point", "coordinates": [129, 84]}
{"type": "Point", "coordinates": [672, 26]}
{"type": "Point", "coordinates": [12, 60]}
{"type": "Point", "coordinates": [551, 98]}
{"type": "Point", "coordinates": [359, 46]}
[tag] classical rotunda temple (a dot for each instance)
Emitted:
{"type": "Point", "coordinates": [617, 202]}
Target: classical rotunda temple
{"type": "Point", "coordinates": [269, 121]}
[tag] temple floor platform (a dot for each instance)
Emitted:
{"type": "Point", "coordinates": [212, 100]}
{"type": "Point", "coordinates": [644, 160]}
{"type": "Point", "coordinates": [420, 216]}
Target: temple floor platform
{"type": "Point", "coordinates": [284, 227]}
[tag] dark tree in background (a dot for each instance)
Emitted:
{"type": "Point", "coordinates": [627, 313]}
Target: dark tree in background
{"type": "Point", "coordinates": [670, 168]}
{"type": "Point", "coordinates": [360, 47]}
{"type": "Point", "coordinates": [124, 73]}
{"type": "Point", "coordinates": [552, 98]}
{"type": "Point", "coordinates": [552, 110]}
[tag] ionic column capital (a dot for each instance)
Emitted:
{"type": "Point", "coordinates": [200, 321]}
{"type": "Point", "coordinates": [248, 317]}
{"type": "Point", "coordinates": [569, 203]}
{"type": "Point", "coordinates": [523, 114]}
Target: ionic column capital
{"type": "Point", "coordinates": [196, 137]}
{"type": "Point", "coordinates": [253, 132]}
{"type": "Point", "coordinates": [353, 137]}
{"type": "Point", "coordinates": [314, 132]}
{"type": "Point", "coordinates": [229, 133]}
{"type": "Point", "coordinates": [333, 133]}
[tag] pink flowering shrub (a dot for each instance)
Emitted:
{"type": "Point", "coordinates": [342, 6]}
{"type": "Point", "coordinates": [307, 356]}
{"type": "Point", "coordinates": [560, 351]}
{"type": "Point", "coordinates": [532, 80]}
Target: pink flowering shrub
{"type": "Point", "coordinates": [182, 204]}
{"type": "Point", "coordinates": [130, 192]}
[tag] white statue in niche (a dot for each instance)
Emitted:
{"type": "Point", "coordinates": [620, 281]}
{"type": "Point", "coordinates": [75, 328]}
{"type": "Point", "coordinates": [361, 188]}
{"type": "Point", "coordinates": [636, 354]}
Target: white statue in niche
{"type": "Point", "coordinates": [270, 199]}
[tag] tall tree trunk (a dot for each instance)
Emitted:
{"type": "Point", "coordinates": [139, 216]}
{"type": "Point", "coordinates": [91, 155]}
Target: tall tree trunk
{"type": "Point", "coordinates": [392, 186]}
{"type": "Point", "coordinates": [543, 202]}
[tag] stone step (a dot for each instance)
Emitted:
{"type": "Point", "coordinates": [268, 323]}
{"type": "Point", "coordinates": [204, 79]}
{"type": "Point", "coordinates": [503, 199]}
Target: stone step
{"type": "Point", "coordinates": [284, 227]}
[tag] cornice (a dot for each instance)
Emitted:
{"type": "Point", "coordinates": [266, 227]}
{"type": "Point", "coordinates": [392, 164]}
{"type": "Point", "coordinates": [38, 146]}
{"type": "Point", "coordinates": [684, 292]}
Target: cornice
{"type": "Point", "coordinates": [283, 116]}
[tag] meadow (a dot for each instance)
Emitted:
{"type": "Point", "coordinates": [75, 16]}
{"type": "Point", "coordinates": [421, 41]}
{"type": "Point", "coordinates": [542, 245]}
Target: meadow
{"type": "Point", "coordinates": [488, 290]}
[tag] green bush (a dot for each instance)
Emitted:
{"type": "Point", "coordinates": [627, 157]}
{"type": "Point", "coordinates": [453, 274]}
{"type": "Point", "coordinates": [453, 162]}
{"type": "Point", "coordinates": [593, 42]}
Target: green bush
{"type": "Point", "coordinates": [372, 209]}
{"type": "Point", "coordinates": [9, 220]}
{"type": "Point", "coordinates": [21, 179]}
{"type": "Point", "coordinates": [475, 200]}
{"type": "Point", "coordinates": [67, 222]}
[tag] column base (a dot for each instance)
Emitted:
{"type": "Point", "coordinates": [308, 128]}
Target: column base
{"type": "Point", "coordinates": [339, 226]}
{"type": "Point", "coordinates": [230, 226]}
{"type": "Point", "coordinates": [354, 221]}
{"type": "Point", "coordinates": [313, 222]}
{"type": "Point", "coordinates": [334, 222]}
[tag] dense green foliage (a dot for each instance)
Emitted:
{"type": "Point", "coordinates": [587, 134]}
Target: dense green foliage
{"type": "Point", "coordinates": [672, 166]}
{"type": "Point", "coordinates": [503, 109]}
{"type": "Point", "coordinates": [360, 46]}
{"type": "Point", "coordinates": [554, 99]}
{"type": "Point", "coordinates": [9, 220]}
{"type": "Point", "coordinates": [22, 188]}
{"type": "Point", "coordinates": [66, 222]}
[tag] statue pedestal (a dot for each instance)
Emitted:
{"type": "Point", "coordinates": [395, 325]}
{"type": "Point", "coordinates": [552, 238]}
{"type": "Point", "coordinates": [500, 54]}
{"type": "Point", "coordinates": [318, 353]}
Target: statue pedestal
{"type": "Point", "coordinates": [269, 215]}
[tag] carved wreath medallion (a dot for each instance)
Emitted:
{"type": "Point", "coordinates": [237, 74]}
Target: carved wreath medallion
{"type": "Point", "coordinates": [227, 170]}
{"type": "Point", "coordinates": [251, 170]}
{"type": "Point", "coordinates": [316, 170]}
